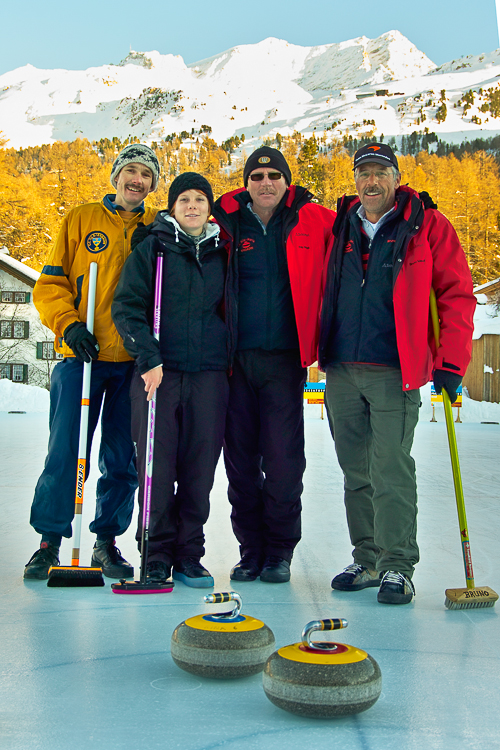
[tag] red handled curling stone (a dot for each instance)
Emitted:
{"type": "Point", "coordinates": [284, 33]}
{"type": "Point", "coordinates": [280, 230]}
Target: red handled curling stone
{"type": "Point", "coordinates": [223, 645]}
{"type": "Point", "coordinates": [322, 680]}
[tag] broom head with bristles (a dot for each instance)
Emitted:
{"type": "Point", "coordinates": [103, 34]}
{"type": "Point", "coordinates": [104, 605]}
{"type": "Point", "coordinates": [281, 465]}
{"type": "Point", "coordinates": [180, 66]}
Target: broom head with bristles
{"type": "Point", "coordinates": [74, 576]}
{"type": "Point", "coordinates": [142, 587]}
{"type": "Point", "coordinates": [480, 596]}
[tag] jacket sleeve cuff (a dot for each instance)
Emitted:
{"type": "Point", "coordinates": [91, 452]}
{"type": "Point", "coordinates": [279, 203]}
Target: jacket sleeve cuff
{"type": "Point", "coordinates": [148, 364]}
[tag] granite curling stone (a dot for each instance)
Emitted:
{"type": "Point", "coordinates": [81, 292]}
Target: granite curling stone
{"type": "Point", "coordinates": [223, 645]}
{"type": "Point", "coordinates": [322, 680]}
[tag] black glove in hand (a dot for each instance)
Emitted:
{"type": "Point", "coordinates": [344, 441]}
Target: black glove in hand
{"type": "Point", "coordinates": [427, 200]}
{"type": "Point", "coordinates": [449, 381]}
{"type": "Point", "coordinates": [140, 233]}
{"type": "Point", "coordinates": [83, 343]}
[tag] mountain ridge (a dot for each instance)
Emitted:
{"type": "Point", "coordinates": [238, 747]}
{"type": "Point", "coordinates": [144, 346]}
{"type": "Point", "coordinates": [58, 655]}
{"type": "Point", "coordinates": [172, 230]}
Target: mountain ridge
{"type": "Point", "coordinates": [383, 85]}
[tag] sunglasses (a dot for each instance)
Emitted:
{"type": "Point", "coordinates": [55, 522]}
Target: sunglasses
{"type": "Point", "coordinates": [260, 176]}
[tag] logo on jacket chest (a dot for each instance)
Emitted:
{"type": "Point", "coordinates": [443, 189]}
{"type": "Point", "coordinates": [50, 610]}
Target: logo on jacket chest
{"type": "Point", "coordinates": [349, 247]}
{"type": "Point", "coordinates": [246, 244]}
{"type": "Point", "coordinates": [96, 242]}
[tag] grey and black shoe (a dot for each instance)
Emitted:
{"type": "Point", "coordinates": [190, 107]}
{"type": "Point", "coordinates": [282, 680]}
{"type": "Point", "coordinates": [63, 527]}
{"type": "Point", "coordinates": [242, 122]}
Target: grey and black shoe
{"type": "Point", "coordinates": [44, 558]}
{"type": "Point", "coordinates": [356, 577]}
{"type": "Point", "coordinates": [191, 572]}
{"type": "Point", "coordinates": [395, 588]}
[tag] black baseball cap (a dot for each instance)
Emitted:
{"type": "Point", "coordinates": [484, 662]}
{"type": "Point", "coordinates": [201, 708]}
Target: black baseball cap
{"type": "Point", "coordinates": [379, 153]}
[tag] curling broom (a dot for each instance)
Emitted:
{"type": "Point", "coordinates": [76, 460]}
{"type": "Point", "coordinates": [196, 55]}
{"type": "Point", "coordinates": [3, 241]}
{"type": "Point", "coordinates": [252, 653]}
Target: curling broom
{"type": "Point", "coordinates": [471, 596]}
{"type": "Point", "coordinates": [75, 575]}
{"type": "Point", "coordinates": [143, 585]}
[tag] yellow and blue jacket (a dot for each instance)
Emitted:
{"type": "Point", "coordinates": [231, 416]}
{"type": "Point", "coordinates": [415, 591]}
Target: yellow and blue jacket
{"type": "Point", "coordinates": [92, 232]}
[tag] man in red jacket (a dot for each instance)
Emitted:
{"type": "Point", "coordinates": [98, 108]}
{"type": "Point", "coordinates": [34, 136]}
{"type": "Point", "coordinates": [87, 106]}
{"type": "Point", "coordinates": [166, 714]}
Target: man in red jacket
{"type": "Point", "coordinates": [377, 347]}
{"type": "Point", "coordinates": [279, 240]}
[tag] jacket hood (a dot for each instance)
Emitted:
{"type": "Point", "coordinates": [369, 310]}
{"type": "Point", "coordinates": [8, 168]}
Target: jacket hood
{"type": "Point", "coordinates": [164, 223]}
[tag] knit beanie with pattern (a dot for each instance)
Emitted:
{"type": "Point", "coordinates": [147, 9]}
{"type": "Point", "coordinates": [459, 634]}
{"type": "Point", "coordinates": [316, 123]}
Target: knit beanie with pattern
{"type": "Point", "coordinates": [136, 153]}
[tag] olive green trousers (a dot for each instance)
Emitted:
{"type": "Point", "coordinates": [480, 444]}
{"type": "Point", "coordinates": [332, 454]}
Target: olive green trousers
{"type": "Point", "coordinates": [372, 421]}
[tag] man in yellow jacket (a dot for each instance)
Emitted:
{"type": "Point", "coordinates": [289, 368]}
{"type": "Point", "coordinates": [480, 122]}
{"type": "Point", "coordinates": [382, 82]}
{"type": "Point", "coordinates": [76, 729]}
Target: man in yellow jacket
{"type": "Point", "coordinates": [97, 232]}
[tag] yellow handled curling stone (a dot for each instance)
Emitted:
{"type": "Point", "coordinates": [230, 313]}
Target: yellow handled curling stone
{"type": "Point", "coordinates": [223, 645]}
{"type": "Point", "coordinates": [322, 679]}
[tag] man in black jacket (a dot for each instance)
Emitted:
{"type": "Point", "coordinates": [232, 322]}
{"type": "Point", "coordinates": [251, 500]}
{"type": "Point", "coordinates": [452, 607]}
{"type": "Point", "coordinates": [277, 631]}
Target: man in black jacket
{"type": "Point", "coordinates": [279, 239]}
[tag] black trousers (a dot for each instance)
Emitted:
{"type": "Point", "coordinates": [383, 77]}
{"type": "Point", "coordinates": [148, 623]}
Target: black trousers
{"type": "Point", "coordinates": [190, 417]}
{"type": "Point", "coordinates": [264, 450]}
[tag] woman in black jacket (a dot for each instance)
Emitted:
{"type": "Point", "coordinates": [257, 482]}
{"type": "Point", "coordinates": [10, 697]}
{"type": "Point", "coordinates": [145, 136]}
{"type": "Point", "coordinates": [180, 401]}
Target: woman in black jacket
{"type": "Point", "coordinates": [188, 365]}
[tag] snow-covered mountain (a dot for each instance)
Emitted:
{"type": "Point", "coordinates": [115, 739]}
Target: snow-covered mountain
{"type": "Point", "coordinates": [258, 90]}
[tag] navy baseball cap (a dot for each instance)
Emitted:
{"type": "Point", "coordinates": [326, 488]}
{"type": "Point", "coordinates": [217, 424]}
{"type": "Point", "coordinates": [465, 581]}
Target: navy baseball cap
{"type": "Point", "coordinates": [379, 153]}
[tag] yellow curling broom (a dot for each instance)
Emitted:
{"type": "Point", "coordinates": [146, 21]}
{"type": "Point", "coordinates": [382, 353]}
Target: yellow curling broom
{"type": "Point", "coordinates": [471, 596]}
{"type": "Point", "coordinates": [75, 575]}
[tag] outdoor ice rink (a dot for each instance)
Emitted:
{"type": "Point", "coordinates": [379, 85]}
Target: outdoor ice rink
{"type": "Point", "coordinates": [83, 668]}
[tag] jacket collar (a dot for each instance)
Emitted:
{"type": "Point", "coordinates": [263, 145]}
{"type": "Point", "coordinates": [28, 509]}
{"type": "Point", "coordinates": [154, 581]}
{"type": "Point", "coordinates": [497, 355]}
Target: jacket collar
{"type": "Point", "coordinates": [109, 203]}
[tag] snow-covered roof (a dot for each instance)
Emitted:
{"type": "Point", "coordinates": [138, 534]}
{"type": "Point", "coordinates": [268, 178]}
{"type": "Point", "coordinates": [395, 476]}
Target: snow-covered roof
{"type": "Point", "coordinates": [488, 288]}
{"type": "Point", "coordinates": [18, 270]}
{"type": "Point", "coordinates": [486, 317]}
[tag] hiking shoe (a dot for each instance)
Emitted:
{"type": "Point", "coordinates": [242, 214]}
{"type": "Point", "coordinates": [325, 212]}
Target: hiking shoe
{"type": "Point", "coordinates": [107, 556]}
{"type": "Point", "coordinates": [38, 566]}
{"type": "Point", "coordinates": [248, 568]}
{"type": "Point", "coordinates": [395, 588]}
{"type": "Point", "coordinates": [191, 572]}
{"type": "Point", "coordinates": [275, 570]}
{"type": "Point", "coordinates": [355, 577]}
{"type": "Point", "coordinates": [157, 570]}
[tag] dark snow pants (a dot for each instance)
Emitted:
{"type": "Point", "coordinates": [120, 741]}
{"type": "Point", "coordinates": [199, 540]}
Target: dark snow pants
{"type": "Point", "coordinates": [264, 451]}
{"type": "Point", "coordinates": [53, 505]}
{"type": "Point", "coordinates": [190, 417]}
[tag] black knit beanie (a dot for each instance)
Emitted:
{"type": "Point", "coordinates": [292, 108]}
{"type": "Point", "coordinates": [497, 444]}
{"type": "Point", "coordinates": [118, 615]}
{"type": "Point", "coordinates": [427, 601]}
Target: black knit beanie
{"type": "Point", "coordinates": [265, 156]}
{"type": "Point", "coordinates": [190, 181]}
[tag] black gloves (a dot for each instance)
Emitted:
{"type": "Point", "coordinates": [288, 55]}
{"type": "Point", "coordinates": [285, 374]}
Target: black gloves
{"type": "Point", "coordinates": [140, 234]}
{"type": "Point", "coordinates": [449, 381]}
{"type": "Point", "coordinates": [83, 343]}
{"type": "Point", "coordinates": [427, 200]}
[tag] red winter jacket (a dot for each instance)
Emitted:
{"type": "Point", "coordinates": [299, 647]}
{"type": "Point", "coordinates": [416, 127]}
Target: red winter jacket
{"type": "Point", "coordinates": [308, 239]}
{"type": "Point", "coordinates": [431, 256]}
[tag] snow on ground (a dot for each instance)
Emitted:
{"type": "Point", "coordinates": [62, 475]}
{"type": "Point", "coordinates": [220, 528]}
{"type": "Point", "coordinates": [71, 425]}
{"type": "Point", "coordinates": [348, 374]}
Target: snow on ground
{"type": "Point", "coordinates": [20, 397]}
{"type": "Point", "coordinates": [29, 398]}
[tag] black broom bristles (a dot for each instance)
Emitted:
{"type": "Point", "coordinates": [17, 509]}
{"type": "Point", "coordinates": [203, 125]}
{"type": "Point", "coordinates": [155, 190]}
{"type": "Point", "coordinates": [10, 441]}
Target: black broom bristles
{"type": "Point", "coordinates": [74, 576]}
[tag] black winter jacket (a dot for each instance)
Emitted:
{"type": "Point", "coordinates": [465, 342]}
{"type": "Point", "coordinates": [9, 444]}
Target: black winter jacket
{"type": "Point", "coordinates": [195, 323]}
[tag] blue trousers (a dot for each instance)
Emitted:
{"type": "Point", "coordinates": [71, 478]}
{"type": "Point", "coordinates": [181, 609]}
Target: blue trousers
{"type": "Point", "coordinates": [53, 505]}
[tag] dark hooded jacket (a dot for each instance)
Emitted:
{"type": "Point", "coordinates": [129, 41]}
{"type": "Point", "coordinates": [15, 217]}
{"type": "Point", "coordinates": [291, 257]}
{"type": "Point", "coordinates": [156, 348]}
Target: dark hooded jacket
{"type": "Point", "coordinates": [195, 323]}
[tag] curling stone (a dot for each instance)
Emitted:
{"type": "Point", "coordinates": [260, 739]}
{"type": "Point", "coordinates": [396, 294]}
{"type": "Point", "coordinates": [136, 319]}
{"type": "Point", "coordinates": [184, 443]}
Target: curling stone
{"type": "Point", "coordinates": [322, 680]}
{"type": "Point", "coordinates": [222, 645]}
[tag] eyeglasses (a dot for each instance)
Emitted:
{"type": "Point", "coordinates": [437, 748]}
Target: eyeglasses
{"type": "Point", "coordinates": [259, 176]}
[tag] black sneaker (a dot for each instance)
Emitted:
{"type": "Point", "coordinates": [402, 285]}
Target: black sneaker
{"type": "Point", "coordinates": [275, 570]}
{"type": "Point", "coordinates": [395, 588]}
{"type": "Point", "coordinates": [108, 557]}
{"type": "Point", "coordinates": [355, 577]}
{"type": "Point", "coordinates": [38, 566]}
{"type": "Point", "coordinates": [157, 570]}
{"type": "Point", "coordinates": [248, 568]}
{"type": "Point", "coordinates": [191, 572]}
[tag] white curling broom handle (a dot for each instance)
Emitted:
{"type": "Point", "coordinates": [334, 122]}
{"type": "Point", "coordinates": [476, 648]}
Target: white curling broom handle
{"type": "Point", "coordinates": [84, 421]}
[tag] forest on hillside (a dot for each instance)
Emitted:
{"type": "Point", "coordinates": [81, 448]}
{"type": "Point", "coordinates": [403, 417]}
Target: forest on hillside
{"type": "Point", "coordinates": [41, 184]}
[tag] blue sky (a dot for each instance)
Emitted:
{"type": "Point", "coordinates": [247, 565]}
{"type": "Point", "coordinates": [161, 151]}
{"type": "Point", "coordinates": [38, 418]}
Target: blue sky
{"type": "Point", "coordinates": [60, 34]}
